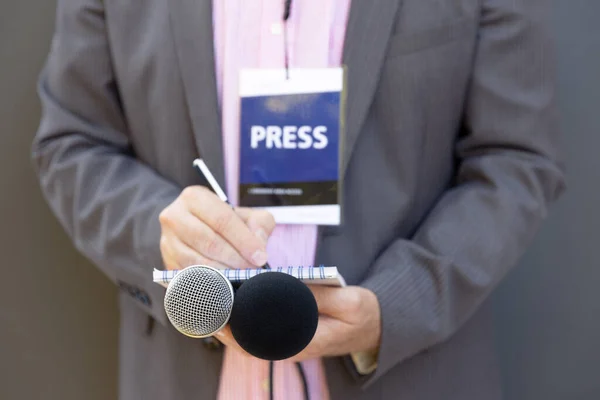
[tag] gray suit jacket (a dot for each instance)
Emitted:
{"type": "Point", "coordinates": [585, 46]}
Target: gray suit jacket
{"type": "Point", "coordinates": [450, 163]}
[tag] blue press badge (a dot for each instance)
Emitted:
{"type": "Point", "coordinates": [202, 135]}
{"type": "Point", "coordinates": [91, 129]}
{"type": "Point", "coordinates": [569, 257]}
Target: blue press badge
{"type": "Point", "coordinates": [290, 132]}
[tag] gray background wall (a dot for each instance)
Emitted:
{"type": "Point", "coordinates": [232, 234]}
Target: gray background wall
{"type": "Point", "coordinates": [58, 336]}
{"type": "Point", "coordinates": [548, 310]}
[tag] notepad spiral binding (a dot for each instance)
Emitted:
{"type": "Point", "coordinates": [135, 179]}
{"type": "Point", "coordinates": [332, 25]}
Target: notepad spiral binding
{"type": "Point", "coordinates": [301, 272]}
{"type": "Point", "coordinates": [306, 273]}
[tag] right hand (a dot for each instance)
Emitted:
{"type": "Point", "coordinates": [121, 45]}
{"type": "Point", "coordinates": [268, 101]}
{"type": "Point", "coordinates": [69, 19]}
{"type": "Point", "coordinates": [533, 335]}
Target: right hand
{"type": "Point", "coordinates": [199, 228]}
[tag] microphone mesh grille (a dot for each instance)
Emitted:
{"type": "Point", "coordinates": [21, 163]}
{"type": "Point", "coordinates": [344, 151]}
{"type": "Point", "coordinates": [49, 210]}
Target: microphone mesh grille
{"type": "Point", "coordinates": [198, 301]}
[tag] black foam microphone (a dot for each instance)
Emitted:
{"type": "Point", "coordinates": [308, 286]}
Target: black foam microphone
{"type": "Point", "coordinates": [274, 316]}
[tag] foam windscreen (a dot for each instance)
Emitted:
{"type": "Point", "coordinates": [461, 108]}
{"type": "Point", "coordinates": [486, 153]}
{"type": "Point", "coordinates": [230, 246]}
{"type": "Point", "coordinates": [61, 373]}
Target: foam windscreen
{"type": "Point", "coordinates": [274, 316]}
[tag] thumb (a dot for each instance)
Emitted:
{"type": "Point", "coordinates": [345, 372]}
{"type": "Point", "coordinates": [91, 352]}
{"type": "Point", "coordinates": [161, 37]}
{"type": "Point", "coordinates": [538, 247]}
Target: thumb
{"type": "Point", "coordinates": [336, 302]}
{"type": "Point", "coordinates": [260, 222]}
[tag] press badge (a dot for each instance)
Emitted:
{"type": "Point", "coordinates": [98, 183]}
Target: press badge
{"type": "Point", "coordinates": [291, 133]}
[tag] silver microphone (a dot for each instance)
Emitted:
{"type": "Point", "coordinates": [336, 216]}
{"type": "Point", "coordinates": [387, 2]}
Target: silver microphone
{"type": "Point", "coordinates": [198, 301]}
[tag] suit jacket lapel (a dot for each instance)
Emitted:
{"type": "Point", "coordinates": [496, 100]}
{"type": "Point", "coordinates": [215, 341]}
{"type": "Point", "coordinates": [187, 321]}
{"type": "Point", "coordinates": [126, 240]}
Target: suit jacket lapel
{"type": "Point", "coordinates": [191, 21]}
{"type": "Point", "coordinates": [369, 28]}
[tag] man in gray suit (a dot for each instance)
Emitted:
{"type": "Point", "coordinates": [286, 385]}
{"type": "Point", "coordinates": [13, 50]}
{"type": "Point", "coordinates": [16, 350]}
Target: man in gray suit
{"type": "Point", "coordinates": [449, 165]}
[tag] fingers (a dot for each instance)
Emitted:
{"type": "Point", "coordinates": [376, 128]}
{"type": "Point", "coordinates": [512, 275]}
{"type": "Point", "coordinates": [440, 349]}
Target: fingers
{"type": "Point", "coordinates": [353, 316]}
{"type": "Point", "coordinates": [260, 222]}
{"type": "Point", "coordinates": [330, 300]}
{"type": "Point", "coordinates": [330, 329]}
{"type": "Point", "coordinates": [326, 342]}
{"type": "Point", "coordinates": [178, 255]}
{"type": "Point", "coordinates": [203, 240]}
{"type": "Point", "coordinates": [224, 222]}
{"type": "Point", "coordinates": [200, 228]}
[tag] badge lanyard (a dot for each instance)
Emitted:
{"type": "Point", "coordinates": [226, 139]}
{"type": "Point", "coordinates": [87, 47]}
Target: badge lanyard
{"type": "Point", "coordinates": [287, 9]}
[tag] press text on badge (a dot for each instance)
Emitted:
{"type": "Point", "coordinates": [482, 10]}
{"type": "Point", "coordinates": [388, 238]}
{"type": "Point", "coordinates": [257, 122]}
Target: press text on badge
{"type": "Point", "coordinates": [288, 137]}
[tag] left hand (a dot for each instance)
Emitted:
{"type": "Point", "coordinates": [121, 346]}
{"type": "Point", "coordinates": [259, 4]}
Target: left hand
{"type": "Point", "coordinates": [349, 321]}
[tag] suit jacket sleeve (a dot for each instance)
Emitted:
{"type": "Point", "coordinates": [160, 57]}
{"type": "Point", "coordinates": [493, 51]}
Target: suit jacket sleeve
{"type": "Point", "coordinates": [105, 198]}
{"type": "Point", "coordinates": [508, 172]}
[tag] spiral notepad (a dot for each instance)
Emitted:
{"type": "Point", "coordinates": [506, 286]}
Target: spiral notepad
{"type": "Point", "coordinates": [309, 275]}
